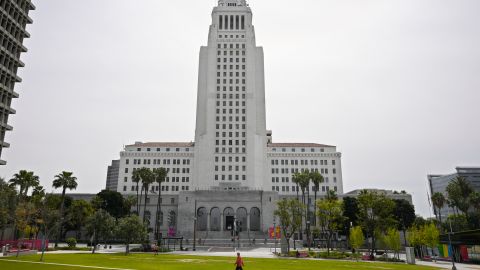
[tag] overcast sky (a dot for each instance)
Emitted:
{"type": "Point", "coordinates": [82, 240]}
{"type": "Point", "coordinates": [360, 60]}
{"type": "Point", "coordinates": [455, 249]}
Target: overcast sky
{"type": "Point", "coordinates": [394, 84]}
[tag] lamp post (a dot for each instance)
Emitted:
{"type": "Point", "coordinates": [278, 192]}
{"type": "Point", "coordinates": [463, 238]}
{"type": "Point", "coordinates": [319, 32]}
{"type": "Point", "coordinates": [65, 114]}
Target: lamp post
{"type": "Point", "coordinates": [308, 235]}
{"type": "Point", "coordinates": [450, 243]}
{"type": "Point", "coordinates": [275, 234]}
{"type": "Point", "coordinates": [195, 228]}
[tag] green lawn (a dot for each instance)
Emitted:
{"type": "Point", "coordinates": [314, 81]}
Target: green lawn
{"type": "Point", "coordinates": [174, 262]}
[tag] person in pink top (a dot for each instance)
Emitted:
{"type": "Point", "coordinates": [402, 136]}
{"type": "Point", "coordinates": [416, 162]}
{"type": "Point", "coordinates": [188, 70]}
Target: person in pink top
{"type": "Point", "coordinates": [239, 263]}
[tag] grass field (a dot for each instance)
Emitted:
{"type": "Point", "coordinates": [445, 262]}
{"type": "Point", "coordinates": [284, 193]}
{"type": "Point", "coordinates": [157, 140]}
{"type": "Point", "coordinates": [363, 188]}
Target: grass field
{"type": "Point", "coordinates": [175, 262]}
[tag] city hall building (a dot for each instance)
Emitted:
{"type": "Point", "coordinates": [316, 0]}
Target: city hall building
{"type": "Point", "coordinates": [233, 170]}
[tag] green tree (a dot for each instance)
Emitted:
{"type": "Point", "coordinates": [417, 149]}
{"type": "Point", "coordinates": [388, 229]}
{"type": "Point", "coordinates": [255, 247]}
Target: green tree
{"type": "Point", "coordinates": [404, 214]}
{"type": "Point", "coordinates": [113, 202]}
{"type": "Point", "coordinates": [160, 174]}
{"type": "Point", "coordinates": [438, 201]}
{"type": "Point", "coordinates": [356, 238]}
{"type": "Point", "coordinates": [375, 214]}
{"type": "Point", "coordinates": [48, 218]}
{"type": "Point", "coordinates": [64, 180]}
{"type": "Point", "coordinates": [130, 229]}
{"type": "Point", "coordinates": [330, 218]}
{"type": "Point", "coordinates": [284, 214]}
{"type": "Point", "coordinates": [23, 217]}
{"type": "Point", "coordinates": [316, 179]}
{"type": "Point", "coordinates": [100, 226]}
{"type": "Point", "coordinates": [350, 218]}
{"type": "Point", "coordinates": [8, 201]}
{"type": "Point", "coordinates": [78, 213]}
{"type": "Point", "coordinates": [431, 235]}
{"type": "Point", "coordinates": [392, 240]}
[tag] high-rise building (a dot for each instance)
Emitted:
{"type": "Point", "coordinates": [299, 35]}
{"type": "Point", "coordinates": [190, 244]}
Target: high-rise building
{"type": "Point", "coordinates": [233, 170]}
{"type": "Point", "coordinates": [13, 21]}
{"type": "Point", "coordinates": [439, 182]}
{"type": "Point", "coordinates": [112, 175]}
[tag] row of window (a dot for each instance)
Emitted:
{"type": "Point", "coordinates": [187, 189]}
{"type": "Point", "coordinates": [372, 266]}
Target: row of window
{"type": "Point", "coordinates": [237, 67]}
{"type": "Point", "coordinates": [230, 159]}
{"type": "Point", "coordinates": [296, 170]}
{"type": "Point", "coordinates": [303, 150]}
{"type": "Point", "coordinates": [164, 188]}
{"type": "Point", "coordinates": [231, 150]}
{"type": "Point", "coordinates": [230, 177]}
{"type": "Point", "coordinates": [231, 45]}
{"type": "Point", "coordinates": [166, 149]}
{"type": "Point", "coordinates": [302, 162]}
{"type": "Point", "coordinates": [287, 189]}
{"type": "Point", "coordinates": [287, 180]}
{"type": "Point", "coordinates": [230, 134]}
{"type": "Point", "coordinates": [230, 168]}
{"type": "Point", "coordinates": [231, 36]}
{"type": "Point", "coordinates": [172, 170]}
{"type": "Point", "coordinates": [231, 22]}
{"type": "Point", "coordinates": [232, 53]}
{"type": "Point", "coordinates": [158, 161]}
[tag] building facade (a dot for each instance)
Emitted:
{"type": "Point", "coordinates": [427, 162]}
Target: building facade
{"type": "Point", "coordinates": [13, 22]}
{"type": "Point", "coordinates": [391, 194]}
{"type": "Point", "coordinates": [112, 175]}
{"type": "Point", "coordinates": [439, 183]}
{"type": "Point", "coordinates": [233, 170]}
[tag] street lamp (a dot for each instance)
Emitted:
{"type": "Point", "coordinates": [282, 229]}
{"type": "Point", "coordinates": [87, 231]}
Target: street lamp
{"type": "Point", "coordinates": [450, 242]}
{"type": "Point", "coordinates": [195, 227]}
{"type": "Point", "coordinates": [275, 233]}
{"type": "Point", "coordinates": [308, 234]}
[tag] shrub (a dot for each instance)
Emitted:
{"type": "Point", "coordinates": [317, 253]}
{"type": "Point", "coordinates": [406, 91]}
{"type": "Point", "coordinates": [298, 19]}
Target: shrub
{"type": "Point", "coordinates": [333, 255]}
{"type": "Point", "coordinates": [385, 259]}
{"type": "Point", "coordinates": [71, 242]}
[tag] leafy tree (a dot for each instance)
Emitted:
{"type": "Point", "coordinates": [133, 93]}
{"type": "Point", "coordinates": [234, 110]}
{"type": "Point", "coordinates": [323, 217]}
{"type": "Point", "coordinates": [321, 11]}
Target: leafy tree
{"type": "Point", "coordinates": [416, 238]}
{"type": "Point", "coordinates": [375, 214]}
{"type": "Point", "coordinates": [78, 213]}
{"type": "Point", "coordinates": [8, 203]}
{"type": "Point", "coordinates": [356, 238]}
{"type": "Point", "coordinates": [316, 179]}
{"type": "Point", "coordinates": [392, 240]}
{"type": "Point", "coordinates": [64, 180]}
{"type": "Point", "coordinates": [100, 226]}
{"type": "Point", "coordinates": [350, 210]}
{"type": "Point", "coordinates": [159, 174]}
{"type": "Point", "coordinates": [330, 218]}
{"type": "Point", "coordinates": [431, 235]}
{"type": "Point", "coordinates": [48, 218]}
{"type": "Point", "coordinates": [458, 223]}
{"type": "Point", "coordinates": [438, 201]}
{"type": "Point", "coordinates": [404, 214]}
{"type": "Point", "coordinates": [23, 217]}
{"type": "Point", "coordinates": [113, 202]}
{"type": "Point", "coordinates": [475, 201]}
{"type": "Point", "coordinates": [284, 214]}
{"type": "Point", "coordinates": [130, 229]}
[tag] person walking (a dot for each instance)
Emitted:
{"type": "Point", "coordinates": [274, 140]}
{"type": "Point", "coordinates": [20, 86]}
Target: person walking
{"type": "Point", "coordinates": [239, 263]}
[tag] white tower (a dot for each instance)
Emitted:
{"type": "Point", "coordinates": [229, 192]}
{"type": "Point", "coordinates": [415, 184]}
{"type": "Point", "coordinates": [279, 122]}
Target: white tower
{"type": "Point", "coordinates": [230, 135]}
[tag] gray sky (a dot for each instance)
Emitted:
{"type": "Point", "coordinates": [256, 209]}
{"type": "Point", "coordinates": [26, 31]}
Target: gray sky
{"type": "Point", "coordinates": [394, 84]}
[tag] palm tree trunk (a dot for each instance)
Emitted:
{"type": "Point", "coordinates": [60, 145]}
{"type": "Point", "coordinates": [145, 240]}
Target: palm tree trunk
{"type": "Point", "coordinates": [159, 209]}
{"type": "Point", "coordinates": [145, 205]}
{"type": "Point", "coordinates": [138, 201]}
{"type": "Point", "coordinates": [297, 192]}
{"type": "Point", "coordinates": [315, 207]}
{"type": "Point", "coordinates": [62, 207]}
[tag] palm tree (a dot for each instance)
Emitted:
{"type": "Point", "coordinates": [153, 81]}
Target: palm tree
{"type": "Point", "coordinates": [24, 180]}
{"type": "Point", "coordinates": [136, 179]}
{"type": "Point", "coordinates": [459, 191]}
{"type": "Point", "coordinates": [438, 201]}
{"type": "Point", "coordinates": [147, 179]}
{"type": "Point", "coordinates": [317, 179]}
{"type": "Point", "coordinates": [64, 180]}
{"type": "Point", "coordinates": [160, 175]}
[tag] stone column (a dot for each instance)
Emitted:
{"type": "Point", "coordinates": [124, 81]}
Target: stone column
{"type": "Point", "coordinates": [248, 221]}
{"type": "Point", "coordinates": [208, 222]}
{"type": "Point", "coordinates": [221, 222]}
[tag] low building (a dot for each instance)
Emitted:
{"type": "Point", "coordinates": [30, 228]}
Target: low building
{"type": "Point", "coordinates": [394, 195]}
